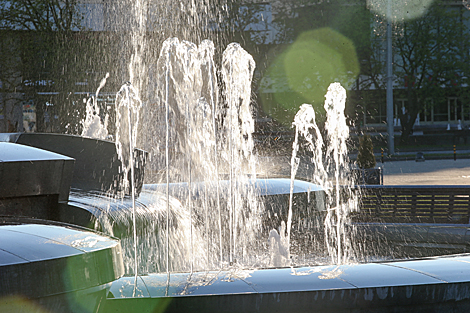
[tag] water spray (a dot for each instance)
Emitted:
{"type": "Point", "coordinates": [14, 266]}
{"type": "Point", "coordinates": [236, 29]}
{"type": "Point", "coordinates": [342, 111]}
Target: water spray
{"type": "Point", "coordinates": [127, 100]}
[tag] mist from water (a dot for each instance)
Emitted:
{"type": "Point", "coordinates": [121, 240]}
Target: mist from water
{"type": "Point", "coordinates": [203, 224]}
{"type": "Point", "coordinates": [198, 132]}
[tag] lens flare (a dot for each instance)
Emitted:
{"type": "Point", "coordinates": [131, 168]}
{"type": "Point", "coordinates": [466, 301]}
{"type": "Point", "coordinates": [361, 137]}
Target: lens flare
{"type": "Point", "coordinates": [399, 11]}
{"type": "Point", "coordinates": [303, 72]}
{"type": "Point", "coordinates": [19, 304]}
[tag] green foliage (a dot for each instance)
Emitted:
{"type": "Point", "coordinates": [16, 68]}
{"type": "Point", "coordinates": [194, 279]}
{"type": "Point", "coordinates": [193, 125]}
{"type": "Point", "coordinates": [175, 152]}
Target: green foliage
{"type": "Point", "coordinates": [365, 157]}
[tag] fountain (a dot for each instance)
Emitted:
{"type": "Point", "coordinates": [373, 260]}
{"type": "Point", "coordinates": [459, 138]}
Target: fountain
{"type": "Point", "coordinates": [237, 285]}
{"type": "Point", "coordinates": [233, 234]}
{"type": "Point", "coordinates": [211, 165]}
{"type": "Point", "coordinates": [203, 139]}
{"type": "Point", "coordinates": [211, 172]}
{"type": "Point", "coordinates": [204, 232]}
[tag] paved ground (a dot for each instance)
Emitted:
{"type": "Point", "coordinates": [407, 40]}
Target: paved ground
{"type": "Point", "coordinates": [430, 172]}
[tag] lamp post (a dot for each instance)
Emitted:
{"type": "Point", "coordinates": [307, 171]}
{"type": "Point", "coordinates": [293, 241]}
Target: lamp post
{"type": "Point", "coordinates": [390, 128]}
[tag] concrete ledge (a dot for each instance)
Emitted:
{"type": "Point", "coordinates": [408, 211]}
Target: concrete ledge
{"type": "Point", "coordinates": [427, 285]}
{"type": "Point", "coordinates": [27, 171]}
{"type": "Point", "coordinates": [60, 267]}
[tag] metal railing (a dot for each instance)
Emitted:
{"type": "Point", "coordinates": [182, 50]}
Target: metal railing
{"type": "Point", "coordinates": [414, 204]}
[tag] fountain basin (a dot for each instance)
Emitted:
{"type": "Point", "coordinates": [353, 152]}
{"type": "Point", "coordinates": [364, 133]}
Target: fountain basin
{"type": "Point", "coordinates": [45, 264]}
{"type": "Point", "coordinates": [96, 167]}
{"type": "Point", "coordinates": [65, 268]}
{"type": "Point", "coordinates": [59, 267]}
{"type": "Point", "coordinates": [438, 284]}
{"type": "Point", "coordinates": [275, 193]}
{"type": "Point", "coordinates": [456, 234]}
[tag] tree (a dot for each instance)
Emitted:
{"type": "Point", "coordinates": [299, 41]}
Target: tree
{"type": "Point", "coordinates": [431, 58]}
{"type": "Point", "coordinates": [39, 15]}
